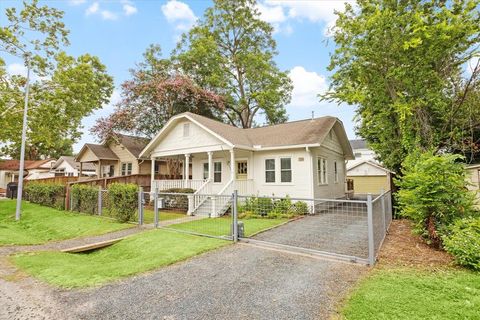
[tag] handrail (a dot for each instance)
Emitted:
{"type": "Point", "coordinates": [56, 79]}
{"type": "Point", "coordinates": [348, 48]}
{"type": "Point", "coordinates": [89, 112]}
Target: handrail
{"type": "Point", "coordinates": [199, 196]}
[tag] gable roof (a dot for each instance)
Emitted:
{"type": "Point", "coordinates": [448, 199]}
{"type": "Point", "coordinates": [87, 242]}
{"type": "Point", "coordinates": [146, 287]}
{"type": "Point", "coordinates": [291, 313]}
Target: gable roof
{"type": "Point", "coordinates": [295, 133]}
{"type": "Point", "coordinates": [367, 162]}
{"type": "Point", "coordinates": [133, 144]}
{"type": "Point", "coordinates": [358, 144]}
{"type": "Point", "coordinates": [99, 150]}
{"type": "Point", "coordinates": [74, 164]}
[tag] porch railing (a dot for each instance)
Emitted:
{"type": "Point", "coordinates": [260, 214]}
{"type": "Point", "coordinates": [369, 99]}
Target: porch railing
{"type": "Point", "coordinates": [201, 195]}
{"type": "Point", "coordinates": [178, 184]}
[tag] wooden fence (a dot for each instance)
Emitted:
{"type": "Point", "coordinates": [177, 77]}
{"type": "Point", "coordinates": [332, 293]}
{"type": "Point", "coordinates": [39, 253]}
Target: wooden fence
{"type": "Point", "coordinates": [57, 180]}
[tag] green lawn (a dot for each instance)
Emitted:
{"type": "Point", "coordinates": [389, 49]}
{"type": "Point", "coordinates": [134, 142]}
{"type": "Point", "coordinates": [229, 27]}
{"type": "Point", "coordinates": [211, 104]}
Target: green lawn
{"type": "Point", "coordinates": [40, 224]}
{"type": "Point", "coordinates": [135, 254]}
{"type": "Point", "coordinates": [148, 216]}
{"type": "Point", "coordinates": [221, 226]}
{"type": "Point", "coordinates": [416, 294]}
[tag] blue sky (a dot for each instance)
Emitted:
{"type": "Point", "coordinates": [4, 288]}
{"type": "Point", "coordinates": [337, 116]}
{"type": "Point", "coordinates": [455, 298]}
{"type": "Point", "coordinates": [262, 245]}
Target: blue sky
{"type": "Point", "coordinates": [119, 31]}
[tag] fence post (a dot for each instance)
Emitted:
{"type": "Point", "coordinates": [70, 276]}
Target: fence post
{"type": "Point", "coordinates": [371, 245]}
{"type": "Point", "coordinates": [140, 206]}
{"type": "Point", "coordinates": [99, 211]}
{"type": "Point", "coordinates": [155, 208]}
{"type": "Point", "coordinates": [67, 198]}
{"type": "Point", "coordinates": [383, 212]}
{"type": "Point", "coordinates": [235, 215]}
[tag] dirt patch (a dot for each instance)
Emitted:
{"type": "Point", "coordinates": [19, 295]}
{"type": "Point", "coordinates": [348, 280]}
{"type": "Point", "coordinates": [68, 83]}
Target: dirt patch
{"type": "Point", "coordinates": [403, 248]}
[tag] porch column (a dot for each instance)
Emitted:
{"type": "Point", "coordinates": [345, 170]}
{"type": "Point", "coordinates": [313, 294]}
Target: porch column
{"type": "Point", "coordinates": [81, 170]}
{"type": "Point", "coordinates": [152, 173]}
{"type": "Point", "coordinates": [210, 165]}
{"type": "Point", "coordinates": [232, 164]}
{"type": "Point", "coordinates": [187, 169]}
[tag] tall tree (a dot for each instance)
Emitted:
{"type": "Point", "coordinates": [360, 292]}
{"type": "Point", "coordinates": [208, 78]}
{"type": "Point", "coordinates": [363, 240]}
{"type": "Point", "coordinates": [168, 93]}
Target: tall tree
{"type": "Point", "coordinates": [154, 94]}
{"type": "Point", "coordinates": [402, 63]}
{"type": "Point", "coordinates": [57, 105]}
{"type": "Point", "coordinates": [65, 90]}
{"type": "Point", "coordinates": [231, 51]}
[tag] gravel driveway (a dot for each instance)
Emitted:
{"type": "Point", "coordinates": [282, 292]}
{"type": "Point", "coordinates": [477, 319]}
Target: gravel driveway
{"type": "Point", "coordinates": [337, 232]}
{"type": "Point", "coordinates": [236, 282]}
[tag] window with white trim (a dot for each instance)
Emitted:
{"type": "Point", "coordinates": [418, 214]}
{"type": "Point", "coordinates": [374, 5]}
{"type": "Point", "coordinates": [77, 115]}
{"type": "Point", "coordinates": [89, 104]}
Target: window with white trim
{"type": "Point", "coordinates": [186, 129]}
{"type": "Point", "coordinates": [126, 168]}
{"type": "Point", "coordinates": [269, 170]}
{"type": "Point", "coordinates": [322, 170]}
{"type": "Point", "coordinates": [205, 171]}
{"type": "Point", "coordinates": [217, 172]}
{"type": "Point", "coordinates": [335, 171]}
{"type": "Point", "coordinates": [285, 169]}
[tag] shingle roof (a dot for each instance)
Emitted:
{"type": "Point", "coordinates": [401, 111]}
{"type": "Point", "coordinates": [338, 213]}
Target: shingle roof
{"type": "Point", "coordinates": [15, 164]}
{"type": "Point", "coordinates": [290, 133]}
{"type": "Point", "coordinates": [359, 144]}
{"type": "Point", "coordinates": [101, 151]}
{"type": "Point", "coordinates": [133, 144]}
{"type": "Point", "coordinates": [71, 161]}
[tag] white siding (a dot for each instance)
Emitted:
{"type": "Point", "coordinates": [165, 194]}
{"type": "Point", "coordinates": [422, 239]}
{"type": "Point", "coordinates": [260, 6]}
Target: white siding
{"type": "Point", "coordinates": [198, 140]}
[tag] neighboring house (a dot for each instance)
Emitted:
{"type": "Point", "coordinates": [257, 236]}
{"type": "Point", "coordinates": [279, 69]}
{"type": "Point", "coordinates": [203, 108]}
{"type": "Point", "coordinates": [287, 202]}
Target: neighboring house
{"type": "Point", "coordinates": [473, 175]}
{"type": "Point", "coordinates": [118, 156]}
{"type": "Point", "coordinates": [9, 170]}
{"type": "Point", "coordinates": [66, 166]}
{"type": "Point", "coordinates": [368, 175]}
{"type": "Point", "coordinates": [301, 159]}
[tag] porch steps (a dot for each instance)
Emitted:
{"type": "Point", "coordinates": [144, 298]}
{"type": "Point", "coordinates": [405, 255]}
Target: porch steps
{"type": "Point", "coordinates": [206, 208]}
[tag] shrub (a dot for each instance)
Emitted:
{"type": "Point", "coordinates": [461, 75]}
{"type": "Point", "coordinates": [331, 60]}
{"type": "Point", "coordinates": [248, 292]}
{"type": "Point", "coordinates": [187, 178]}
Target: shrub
{"type": "Point", "coordinates": [46, 194]}
{"type": "Point", "coordinates": [433, 193]}
{"type": "Point", "coordinates": [463, 242]}
{"type": "Point", "coordinates": [123, 201]}
{"type": "Point", "coordinates": [301, 208]}
{"type": "Point", "coordinates": [84, 198]}
{"type": "Point", "coordinates": [178, 202]}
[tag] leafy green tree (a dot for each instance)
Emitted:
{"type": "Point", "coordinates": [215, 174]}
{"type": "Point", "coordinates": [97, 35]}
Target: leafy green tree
{"type": "Point", "coordinates": [433, 193]}
{"type": "Point", "coordinates": [401, 63]}
{"type": "Point", "coordinates": [230, 51]}
{"type": "Point", "coordinates": [153, 95]}
{"type": "Point", "coordinates": [57, 107]}
{"type": "Point", "coordinates": [66, 89]}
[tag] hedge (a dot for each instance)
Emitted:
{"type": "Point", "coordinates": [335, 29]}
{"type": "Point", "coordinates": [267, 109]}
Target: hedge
{"type": "Point", "coordinates": [258, 207]}
{"type": "Point", "coordinates": [46, 194]}
{"type": "Point", "coordinates": [123, 201]}
{"type": "Point", "coordinates": [84, 198]}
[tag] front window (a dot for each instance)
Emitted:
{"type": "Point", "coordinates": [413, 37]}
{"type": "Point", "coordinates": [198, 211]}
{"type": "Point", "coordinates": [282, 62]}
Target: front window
{"type": "Point", "coordinates": [286, 170]}
{"type": "Point", "coordinates": [186, 129]}
{"type": "Point", "coordinates": [205, 171]}
{"type": "Point", "coordinates": [217, 172]}
{"type": "Point", "coordinates": [335, 170]}
{"type": "Point", "coordinates": [269, 170]}
{"type": "Point", "coordinates": [126, 168]}
{"type": "Point", "coordinates": [322, 170]}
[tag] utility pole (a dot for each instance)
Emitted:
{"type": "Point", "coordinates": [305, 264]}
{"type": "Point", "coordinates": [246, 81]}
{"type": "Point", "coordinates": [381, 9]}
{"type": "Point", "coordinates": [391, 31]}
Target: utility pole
{"type": "Point", "coordinates": [22, 150]}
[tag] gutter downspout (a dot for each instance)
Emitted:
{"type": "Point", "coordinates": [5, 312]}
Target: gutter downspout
{"type": "Point", "coordinates": [312, 179]}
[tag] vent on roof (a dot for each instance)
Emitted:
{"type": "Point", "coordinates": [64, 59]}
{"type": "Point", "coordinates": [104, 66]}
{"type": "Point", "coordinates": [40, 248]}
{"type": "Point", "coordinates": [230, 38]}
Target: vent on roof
{"type": "Point", "coordinates": [186, 129]}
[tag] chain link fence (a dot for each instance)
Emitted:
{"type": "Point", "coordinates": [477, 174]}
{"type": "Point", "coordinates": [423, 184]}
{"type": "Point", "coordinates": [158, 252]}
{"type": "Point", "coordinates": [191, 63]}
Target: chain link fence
{"type": "Point", "coordinates": [348, 229]}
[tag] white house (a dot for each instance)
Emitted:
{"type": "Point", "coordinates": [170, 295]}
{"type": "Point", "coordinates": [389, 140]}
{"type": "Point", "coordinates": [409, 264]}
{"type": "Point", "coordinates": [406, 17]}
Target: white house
{"type": "Point", "coordinates": [301, 159]}
{"type": "Point", "coordinates": [68, 167]}
{"type": "Point", "coordinates": [34, 169]}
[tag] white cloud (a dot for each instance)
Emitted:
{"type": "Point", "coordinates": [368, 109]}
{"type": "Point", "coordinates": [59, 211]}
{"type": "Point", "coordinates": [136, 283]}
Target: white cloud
{"type": "Point", "coordinates": [17, 69]}
{"type": "Point", "coordinates": [129, 9]}
{"type": "Point", "coordinates": [306, 87]}
{"type": "Point", "coordinates": [92, 9]}
{"type": "Point", "coordinates": [179, 14]}
{"type": "Point", "coordinates": [108, 15]}
{"type": "Point", "coordinates": [314, 11]}
{"type": "Point", "coordinates": [77, 2]}
{"type": "Point", "coordinates": [471, 64]}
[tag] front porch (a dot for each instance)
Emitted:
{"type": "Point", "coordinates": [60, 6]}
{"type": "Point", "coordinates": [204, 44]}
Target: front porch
{"type": "Point", "coordinates": [212, 175]}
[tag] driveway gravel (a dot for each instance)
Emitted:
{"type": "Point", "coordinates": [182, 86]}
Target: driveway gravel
{"type": "Point", "coordinates": [335, 232]}
{"type": "Point", "coordinates": [236, 282]}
